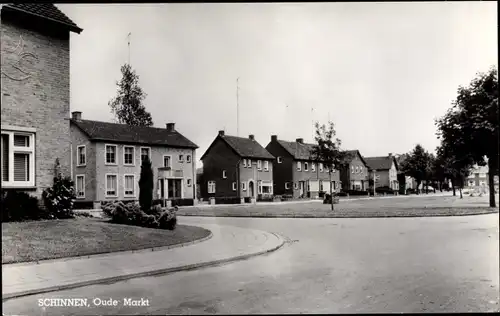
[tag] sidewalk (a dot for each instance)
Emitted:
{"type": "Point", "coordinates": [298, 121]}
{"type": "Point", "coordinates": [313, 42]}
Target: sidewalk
{"type": "Point", "coordinates": [227, 244]}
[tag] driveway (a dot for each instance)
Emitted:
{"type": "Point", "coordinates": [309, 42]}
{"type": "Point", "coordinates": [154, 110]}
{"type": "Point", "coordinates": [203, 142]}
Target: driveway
{"type": "Point", "coordinates": [371, 265]}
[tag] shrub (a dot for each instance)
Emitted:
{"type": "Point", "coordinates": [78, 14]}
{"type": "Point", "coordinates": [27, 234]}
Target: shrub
{"type": "Point", "coordinates": [146, 185]}
{"type": "Point", "coordinates": [149, 221]}
{"type": "Point", "coordinates": [182, 202]}
{"type": "Point", "coordinates": [59, 198]}
{"type": "Point", "coordinates": [328, 199]}
{"type": "Point", "coordinates": [286, 197]}
{"type": "Point", "coordinates": [83, 205]}
{"type": "Point", "coordinates": [228, 200]}
{"type": "Point", "coordinates": [168, 220]}
{"type": "Point", "coordinates": [357, 193]}
{"type": "Point", "coordinates": [155, 210]}
{"type": "Point", "coordinates": [18, 206]}
{"type": "Point", "coordinates": [265, 198]}
{"type": "Point", "coordinates": [384, 189]}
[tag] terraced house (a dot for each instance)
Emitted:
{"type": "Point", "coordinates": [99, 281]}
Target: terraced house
{"type": "Point", "coordinates": [35, 111]}
{"type": "Point", "coordinates": [354, 174]}
{"type": "Point", "coordinates": [107, 159]}
{"type": "Point", "coordinates": [296, 172]}
{"type": "Point", "coordinates": [385, 168]}
{"type": "Point", "coordinates": [236, 167]}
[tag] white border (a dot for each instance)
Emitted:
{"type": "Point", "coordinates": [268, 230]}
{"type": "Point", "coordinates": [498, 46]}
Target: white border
{"type": "Point", "coordinates": [133, 156]}
{"type": "Point", "coordinates": [78, 155]}
{"type": "Point", "coordinates": [106, 184]}
{"type": "Point", "coordinates": [105, 155]}
{"type": "Point", "coordinates": [149, 155]}
{"type": "Point", "coordinates": [125, 187]}
{"type": "Point", "coordinates": [76, 186]}
{"type": "Point", "coordinates": [163, 161]}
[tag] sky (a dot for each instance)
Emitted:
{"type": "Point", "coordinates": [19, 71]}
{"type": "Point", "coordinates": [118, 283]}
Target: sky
{"type": "Point", "coordinates": [382, 72]}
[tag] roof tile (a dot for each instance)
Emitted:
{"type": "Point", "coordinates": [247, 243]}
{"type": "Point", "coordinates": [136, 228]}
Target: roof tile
{"type": "Point", "coordinates": [45, 10]}
{"type": "Point", "coordinates": [246, 147]}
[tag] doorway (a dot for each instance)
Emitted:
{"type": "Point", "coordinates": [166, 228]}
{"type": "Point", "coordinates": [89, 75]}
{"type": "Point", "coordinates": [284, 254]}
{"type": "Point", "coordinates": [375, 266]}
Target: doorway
{"type": "Point", "coordinates": [251, 188]}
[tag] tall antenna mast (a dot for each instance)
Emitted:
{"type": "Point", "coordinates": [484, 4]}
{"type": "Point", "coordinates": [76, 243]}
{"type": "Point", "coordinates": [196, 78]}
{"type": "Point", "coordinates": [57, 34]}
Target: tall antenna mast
{"type": "Point", "coordinates": [128, 38]}
{"type": "Point", "coordinates": [237, 107]}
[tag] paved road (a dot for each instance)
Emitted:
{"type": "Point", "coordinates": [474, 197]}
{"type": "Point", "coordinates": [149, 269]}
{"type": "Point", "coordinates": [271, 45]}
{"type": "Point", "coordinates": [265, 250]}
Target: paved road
{"type": "Point", "coordinates": [447, 264]}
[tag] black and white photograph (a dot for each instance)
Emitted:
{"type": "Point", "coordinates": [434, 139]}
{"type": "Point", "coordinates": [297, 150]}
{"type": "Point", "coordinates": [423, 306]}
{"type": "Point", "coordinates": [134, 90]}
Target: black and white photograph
{"type": "Point", "coordinates": [249, 158]}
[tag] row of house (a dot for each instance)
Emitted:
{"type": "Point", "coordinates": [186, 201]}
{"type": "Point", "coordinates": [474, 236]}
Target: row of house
{"type": "Point", "coordinates": [104, 159]}
{"type": "Point", "coordinates": [241, 167]}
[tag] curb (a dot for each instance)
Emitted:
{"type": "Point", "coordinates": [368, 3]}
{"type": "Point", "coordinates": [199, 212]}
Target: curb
{"type": "Point", "coordinates": [143, 274]}
{"type": "Point", "coordinates": [107, 254]}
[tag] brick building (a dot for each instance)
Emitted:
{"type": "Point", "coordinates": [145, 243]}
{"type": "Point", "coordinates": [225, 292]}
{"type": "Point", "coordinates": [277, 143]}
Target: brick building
{"type": "Point", "coordinates": [236, 167]}
{"type": "Point", "coordinates": [296, 172]}
{"type": "Point", "coordinates": [107, 160]}
{"type": "Point", "coordinates": [385, 168]}
{"type": "Point", "coordinates": [354, 174]}
{"type": "Point", "coordinates": [35, 84]}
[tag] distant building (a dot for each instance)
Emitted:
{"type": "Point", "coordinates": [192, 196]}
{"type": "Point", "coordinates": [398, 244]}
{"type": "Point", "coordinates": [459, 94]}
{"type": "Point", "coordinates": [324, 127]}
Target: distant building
{"type": "Point", "coordinates": [385, 168]}
{"type": "Point", "coordinates": [478, 179]}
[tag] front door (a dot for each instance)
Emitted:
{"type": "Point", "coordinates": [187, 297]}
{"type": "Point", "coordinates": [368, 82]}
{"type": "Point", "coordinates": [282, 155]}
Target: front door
{"type": "Point", "coordinates": [174, 188]}
{"type": "Point", "coordinates": [251, 188]}
{"type": "Point", "coordinates": [301, 188]}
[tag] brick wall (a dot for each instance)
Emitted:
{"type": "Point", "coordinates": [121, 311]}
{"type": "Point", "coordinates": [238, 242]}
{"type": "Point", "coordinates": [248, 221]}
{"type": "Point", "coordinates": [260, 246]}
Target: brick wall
{"type": "Point", "coordinates": [282, 172]}
{"type": "Point", "coordinates": [253, 175]}
{"type": "Point", "coordinates": [40, 101]}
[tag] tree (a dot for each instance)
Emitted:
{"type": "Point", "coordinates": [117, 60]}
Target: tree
{"type": "Point", "coordinates": [327, 150]}
{"type": "Point", "coordinates": [455, 166]}
{"type": "Point", "coordinates": [417, 164]}
{"type": "Point", "coordinates": [146, 185]}
{"type": "Point", "coordinates": [471, 125]}
{"type": "Point", "coordinates": [127, 105]}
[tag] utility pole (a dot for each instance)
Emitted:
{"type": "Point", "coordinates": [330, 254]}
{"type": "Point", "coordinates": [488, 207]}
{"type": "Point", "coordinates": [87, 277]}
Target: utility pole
{"type": "Point", "coordinates": [128, 39]}
{"type": "Point", "coordinates": [312, 124]}
{"type": "Point", "coordinates": [237, 107]}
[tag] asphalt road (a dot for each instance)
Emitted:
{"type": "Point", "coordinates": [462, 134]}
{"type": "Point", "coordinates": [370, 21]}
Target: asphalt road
{"type": "Point", "coordinates": [444, 264]}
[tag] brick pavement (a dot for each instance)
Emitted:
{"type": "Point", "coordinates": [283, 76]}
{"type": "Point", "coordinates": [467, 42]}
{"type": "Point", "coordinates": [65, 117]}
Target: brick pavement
{"type": "Point", "coordinates": [227, 244]}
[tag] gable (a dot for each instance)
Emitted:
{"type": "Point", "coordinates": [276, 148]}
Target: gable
{"type": "Point", "coordinates": [218, 146]}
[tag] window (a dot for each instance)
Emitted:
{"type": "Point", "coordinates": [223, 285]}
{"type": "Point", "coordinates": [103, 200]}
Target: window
{"type": "Point", "coordinates": [18, 159]}
{"type": "Point", "coordinates": [224, 175]}
{"type": "Point", "coordinates": [181, 158]}
{"type": "Point", "coordinates": [166, 162]}
{"type": "Point", "coordinates": [249, 163]}
{"type": "Point", "coordinates": [320, 185]}
{"type": "Point", "coordinates": [80, 186]}
{"type": "Point", "coordinates": [129, 185]}
{"type": "Point", "coordinates": [145, 153]}
{"type": "Point", "coordinates": [128, 155]}
{"type": "Point", "coordinates": [81, 156]}
{"type": "Point", "coordinates": [357, 169]}
{"type": "Point", "coordinates": [287, 185]}
{"type": "Point", "coordinates": [333, 186]}
{"type": "Point", "coordinates": [259, 164]}
{"type": "Point", "coordinates": [244, 163]}
{"type": "Point", "coordinates": [320, 167]}
{"type": "Point", "coordinates": [360, 169]}
{"type": "Point", "coordinates": [306, 166]}
{"type": "Point", "coordinates": [244, 186]}
{"type": "Point", "coordinates": [296, 185]}
{"type": "Point", "coordinates": [313, 167]}
{"type": "Point", "coordinates": [211, 186]}
{"type": "Point", "coordinates": [189, 182]}
{"type": "Point", "coordinates": [266, 165]}
{"type": "Point", "coordinates": [352, 169]}
{"type": "Point", "coordinates": [280, 160]}
{"type": "Point", "coordinates": [188, 158]}
{"type": "Point", "coordinates": [111, 185]}
{"type": "Point", "coordinates": [299, 166]}
{"type": "Point", "coordinates": [234, 186]}
{"type": "Point", "coordinates": [111, 154]}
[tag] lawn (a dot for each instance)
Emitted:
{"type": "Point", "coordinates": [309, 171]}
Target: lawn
{"type": "Point", "coordinates": [39, 240]}
{"type": "Point", "coordinates": [379, 207]}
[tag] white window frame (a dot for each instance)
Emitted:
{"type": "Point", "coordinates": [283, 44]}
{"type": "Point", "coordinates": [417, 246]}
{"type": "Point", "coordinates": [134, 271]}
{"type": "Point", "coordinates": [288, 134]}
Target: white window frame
{"type": "Point", "coordinates": [360, 169]}
{"type": "Point", "coordinates": [249, 163]}
{"type": "Point", "coordinates": [306, 166]}
{"type": "Point", "coordinates": [259, 164]}
{"type": "Point", "coordinates": [211, 187]}
{"type": "Point", "coordinates": [357, 169]}
{"type": "Point", "coordinates": [149, 153]}
{"type": "Point", "coordinates": [78, 163]}
{"type": "Point", "coordinates": [234, 186]}
{"type": "Point", "coordinates": [30, 150]}
{"type": "Point", "coordinates": [106, 155]}
{"type": "Point", "coordinates": [280, 159]}
{"type": "Point", "coordinates": [224, 174]}
{"type": "Point", "coordinates": [244, 163]}
{"type": "Point", "coordinates": [244, 186]}
{"type": "Point", "coordinates": [133, 155]}
{"type": "Point", "coordinates": [125, 183]}
{"type": "Point", "coordinates": [76, 186]}
{"type": "Point", "coordinates": [352, 169]}
{"type": "Point", "coordinates": [106, 184]}
{"type": "Point", "coordinates": [266, 165]}
{"type": "Point", "coordinates": [188, 158]}
{"type": "Point", "coordinates": [287, 185]}
{"type": "Point", "coordinates": [295, 185]}
{"type": "Point", "coordinates": [181, 158]}
{"type": "Point", "coordinates": [189, 182]}
{"type": "Point", "coordinates": [169, 159]}
{"type": "Point", "coordinates": [313, 167]}
{"type": "Point", "coordinates": [299, 166]}
{"type": "Point", "coordinates": [321, 167]}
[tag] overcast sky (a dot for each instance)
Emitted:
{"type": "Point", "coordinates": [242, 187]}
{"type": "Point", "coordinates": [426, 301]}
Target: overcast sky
{"type": "Point", "coordinates": [380, 71]}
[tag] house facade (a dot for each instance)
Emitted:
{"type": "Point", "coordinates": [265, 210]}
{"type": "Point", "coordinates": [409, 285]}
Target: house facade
{"type": "Point", "coordinates": [478, 179]}
{"type": "Point", "coordinates": [354, 173]}
{"type": "Point", "coordinates": [107, 157]}
{"type": "Point", "coordinates": [35, 81]}
{"type": "Point", "coordinates": [385, 171]}
{"type": "Point", "coordinates": [297, 173]}
{"type": "Point", "coordinates": [236, 167]}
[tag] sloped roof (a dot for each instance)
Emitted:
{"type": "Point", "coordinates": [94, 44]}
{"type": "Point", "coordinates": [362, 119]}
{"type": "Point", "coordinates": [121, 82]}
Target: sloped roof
{"type": "Point", "coordinates": [351, 154]}
{"type": "Point", "coordinates": [44, 10]}
{"type": "Point", "coordinates": [121, 133]}
{"type": "Point", "coordinates": [298, 150]}
{"type": "Point", "coordinates": [243, 147]}
{"type": "Point", "coordinates": [380, 163]}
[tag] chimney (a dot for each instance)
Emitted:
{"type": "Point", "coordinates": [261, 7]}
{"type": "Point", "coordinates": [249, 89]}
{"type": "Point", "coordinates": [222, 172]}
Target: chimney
{"type": "Point", "coordinates": [274, 138]}
{"type": "Point", "coordinates": [251, 137]}
{"type": "Point", "coordinates": [76, 115]}
{"type": "Point", "coordinates": [221, 133]}
{"type": "Point", "coordinates": [300, 140]}
{"type": "Point", "coordinates": [390, 154]}
{"type": "Point", "coordinates": [170, 127]}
